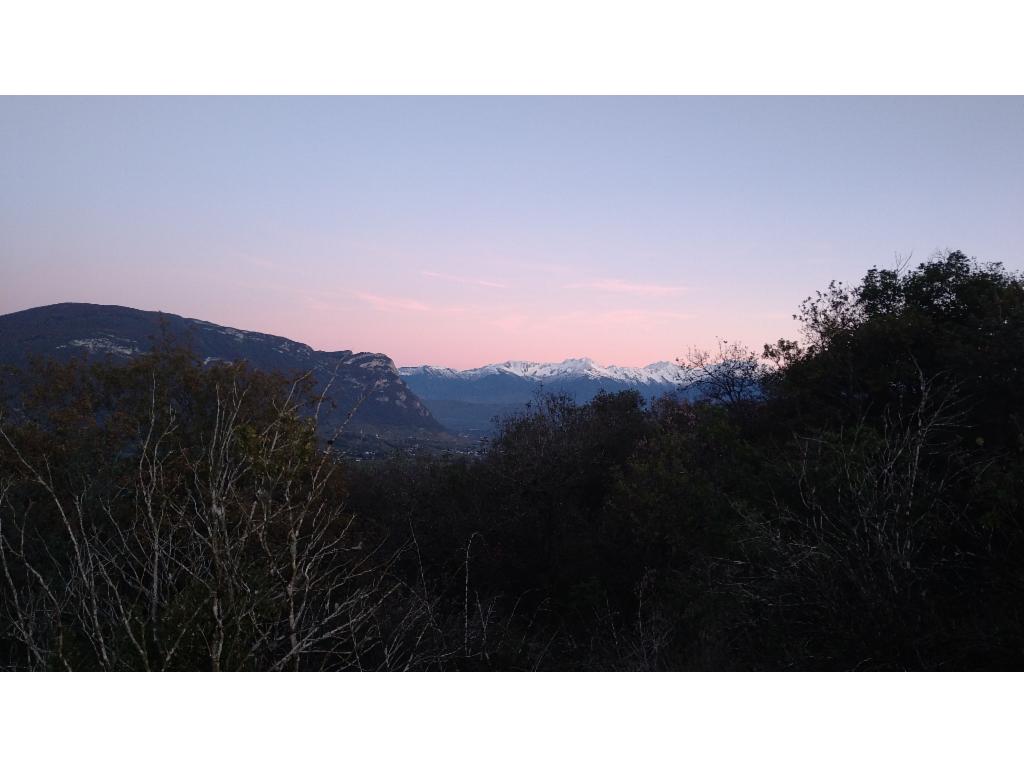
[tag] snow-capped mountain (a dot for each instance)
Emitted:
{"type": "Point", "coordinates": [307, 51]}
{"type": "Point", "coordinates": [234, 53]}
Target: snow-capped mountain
{"type": "Point", "coordinates": [468, 400]}
{"type": "Point", "coordinates": [661, 373]}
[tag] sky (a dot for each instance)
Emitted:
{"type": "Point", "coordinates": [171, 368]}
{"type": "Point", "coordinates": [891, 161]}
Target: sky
{"type": "Point", "coordinates": [465, 231]}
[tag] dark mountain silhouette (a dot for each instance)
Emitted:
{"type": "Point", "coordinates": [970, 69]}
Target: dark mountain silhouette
{"type": "Point", "coordinates": [63, 331]}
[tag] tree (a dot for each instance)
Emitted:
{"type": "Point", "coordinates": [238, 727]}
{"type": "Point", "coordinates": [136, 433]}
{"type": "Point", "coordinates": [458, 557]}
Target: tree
{"type": "Point", "coordinates": [165, 515]}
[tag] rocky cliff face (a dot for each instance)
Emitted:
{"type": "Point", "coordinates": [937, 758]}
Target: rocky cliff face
{"type": "Point", "coordinates": [369, 379]}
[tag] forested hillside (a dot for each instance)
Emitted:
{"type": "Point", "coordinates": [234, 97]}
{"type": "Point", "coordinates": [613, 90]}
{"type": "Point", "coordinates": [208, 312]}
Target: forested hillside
{"type": "Point", "coordinates": [848, 500]}
{"type": "Point", "coordinates": [363, 389]}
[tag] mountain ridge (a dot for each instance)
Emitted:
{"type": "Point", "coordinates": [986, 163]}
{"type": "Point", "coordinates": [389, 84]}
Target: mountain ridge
{"type": "Point", "coordinates": [369, 380]}
{"type": "Point", "coordinates": [660, 372]}
{"type": "Point", "coordinates": [468, 401]}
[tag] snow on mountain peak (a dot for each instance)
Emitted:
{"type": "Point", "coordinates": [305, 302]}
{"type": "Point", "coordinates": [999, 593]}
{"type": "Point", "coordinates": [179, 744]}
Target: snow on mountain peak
{"type": "Point", "coordinates": [428, 370]}
{"type": "Point", "coordinates": [661, 372]}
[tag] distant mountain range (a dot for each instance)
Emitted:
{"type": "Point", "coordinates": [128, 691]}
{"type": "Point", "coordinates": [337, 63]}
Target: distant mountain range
{"type": "Point", "coordinates": [63, 331]}
{"type": "Point", "coordinates": [468, 400]}
{"type": "Point", "coordinates": [425, 403]}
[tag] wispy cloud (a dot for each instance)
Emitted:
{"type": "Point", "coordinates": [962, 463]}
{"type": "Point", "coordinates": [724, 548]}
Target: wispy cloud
{"type": "Point", "coordinates": [400, 304]}
{"type": "Point", "coordinates": [620, 316]}
{"type": "Point", "coordinates": [520, 263]}
{"type": "Point", "coordinates": [462, 279]}
{"type": "Point", "coordinates": [643, 315]}
{"type": "Point", "coordinates": [614, 285]}
{"type": "Point", "coordinates": [547, 267]}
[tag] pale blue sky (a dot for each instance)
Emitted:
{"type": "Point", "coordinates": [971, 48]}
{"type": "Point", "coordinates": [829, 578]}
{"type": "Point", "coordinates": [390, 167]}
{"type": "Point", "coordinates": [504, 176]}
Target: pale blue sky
{"type": "Point", "coordinates": [460, 231]}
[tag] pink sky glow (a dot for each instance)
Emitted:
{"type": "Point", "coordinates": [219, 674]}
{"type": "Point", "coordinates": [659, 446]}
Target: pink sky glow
{"type": "Point", "coordinates": [463, 231]}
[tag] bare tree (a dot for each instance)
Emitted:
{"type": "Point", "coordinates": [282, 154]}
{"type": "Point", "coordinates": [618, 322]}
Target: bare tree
{"type": "Point", "coordinates": [230, 550]}
{"type": "Point", "coordinates": [852, 561]}
{"type": "Point", "coordinates": [729, 376]}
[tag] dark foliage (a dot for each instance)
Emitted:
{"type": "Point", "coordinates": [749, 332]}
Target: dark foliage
{"type": "Point", "coordinates": [849, 501]}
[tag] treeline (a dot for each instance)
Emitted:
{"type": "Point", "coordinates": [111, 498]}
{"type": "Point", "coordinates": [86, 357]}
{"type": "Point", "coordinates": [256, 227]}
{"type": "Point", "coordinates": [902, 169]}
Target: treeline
{"type": "Point", "coordinates": [849, 501]}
